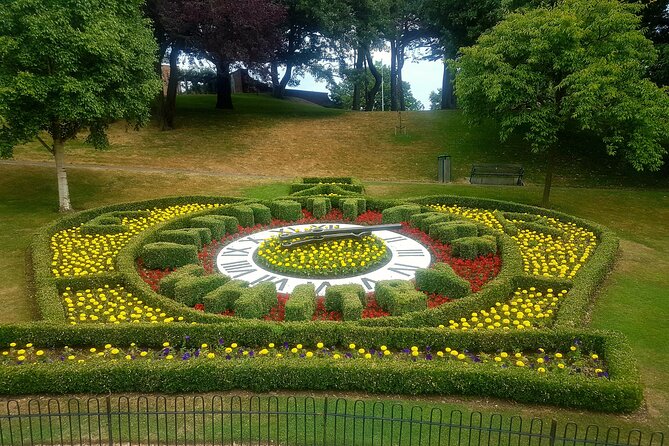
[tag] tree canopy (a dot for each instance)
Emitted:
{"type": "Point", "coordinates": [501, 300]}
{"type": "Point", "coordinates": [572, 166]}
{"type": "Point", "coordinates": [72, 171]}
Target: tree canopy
{"type": "Point", "coordinates": [580, 64]}
{"type": "Point", "coordinates": [67, 65]}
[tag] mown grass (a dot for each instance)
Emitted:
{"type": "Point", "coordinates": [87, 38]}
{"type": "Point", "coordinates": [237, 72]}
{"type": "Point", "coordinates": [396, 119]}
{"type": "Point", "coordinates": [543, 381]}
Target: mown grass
{"type": "Point", "coordinates": [277, 140]}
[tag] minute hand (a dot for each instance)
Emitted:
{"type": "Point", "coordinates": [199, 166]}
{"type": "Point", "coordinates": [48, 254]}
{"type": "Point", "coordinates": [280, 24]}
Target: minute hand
{"type": "Point", "coordinates": [352, 231]}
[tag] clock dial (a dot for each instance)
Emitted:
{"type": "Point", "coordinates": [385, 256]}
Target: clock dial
{"type": "Point", "coordinates": [406, 256]}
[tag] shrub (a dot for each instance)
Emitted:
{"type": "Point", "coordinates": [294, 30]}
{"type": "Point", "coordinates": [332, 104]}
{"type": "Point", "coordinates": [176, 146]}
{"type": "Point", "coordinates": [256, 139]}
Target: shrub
{"type": "Point", "coordinates": [161, 255]}
{"type": "Point", "coordinates": [191, 290]}
{"type": "Point", "coordinates": [224, 297]}
{"type": "Point", "coordinates": [168, 283]}
{"type": "Point", "coordinates": [261, 214]}
{"type": "Point", "coordinates": [302, 303]}
{"type": "Point", "coordinates": [351, 308]}
{"type": "Point", "coordinates": [104, 224]}
{"type": "Point", "coordinates": [472, 247]}
{"type": "Point", "coordinates": [286, 210]}
{"type": "Point", "coordinates": [244, 214]}
{"type": "Point", "coordinates": [451, 230]}
{"type": "Point", "coordinates": [319, 206]}
{"type": "Point", "coordinates": [256, 302]}
{"type": "Point", "coordinates": [398, 297]}
{"type": "Point", "coordinates": [211, 222]}
{"type": "Point", "coordinates": [335, 295]}
{"type": "Point", "coordinates": [188, 236]}
{"type": "Point", "coordinates": [441, 279]}
{"type": "Point", "coordinates": [398, 214]}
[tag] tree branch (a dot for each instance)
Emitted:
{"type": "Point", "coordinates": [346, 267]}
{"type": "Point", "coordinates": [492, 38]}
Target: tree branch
{"type": "Point", "coordinates": [49, 148]}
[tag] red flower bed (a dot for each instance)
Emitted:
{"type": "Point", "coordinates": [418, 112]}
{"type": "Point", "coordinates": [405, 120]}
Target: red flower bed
{"type": "Point", "coordinates": [477, 271]}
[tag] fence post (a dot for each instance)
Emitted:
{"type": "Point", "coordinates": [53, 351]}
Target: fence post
{"type": "Point", "coordinates": [109, 420]}
{"type": "Point", "coordinates": [553, 434]}
{"type": "Point", "coordinates": [325, 420]}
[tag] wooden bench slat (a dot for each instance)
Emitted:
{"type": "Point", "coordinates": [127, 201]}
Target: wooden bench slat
{"type": "Point", "coordinates": [497, 174]}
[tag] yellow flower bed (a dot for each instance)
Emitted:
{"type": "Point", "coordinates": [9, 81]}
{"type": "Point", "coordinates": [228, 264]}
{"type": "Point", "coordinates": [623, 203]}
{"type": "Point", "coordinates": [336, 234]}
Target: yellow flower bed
{"type": "Point", "coordinates": [543, 254]}
{"type": "Point", "coordinates": [330, 258]}
{"type": "Point", "coordinates": [75, 254]}
{"type": "Point", "coordinates": [113, 305]}
{"type": "Point", "coordinates": [527, 309]}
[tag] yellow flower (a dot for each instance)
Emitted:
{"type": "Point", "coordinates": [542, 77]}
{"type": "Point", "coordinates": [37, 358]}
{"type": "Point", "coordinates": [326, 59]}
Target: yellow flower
{"type": "Point", "coordinates": [211, 355]}
{"type": "Point", "coordinates": [12, 344]}
{"type": "Point", "coordinates": [204, 346]}
{"type": "Point", "coordinates": [108, 346]}
{"type": "Point", "coordinates": [309, 354]}
{"type": "Point", "coordinates": [520, 363]}
{"type": "Point", "coordinates": [93, 350]}
{"type": "Point", "coordinates": [461, 356]}
{"type": "Point", "coordinates": [351, 346]}
{"type": "Point", "coordinates": [71, 357]}
{"type": "Point", "coordinates": [319, 345]}
{"type": "Point", "coordinates": [28, 345]}
{"type": "Point", "coordinates": [143, 354]}
{"type": "Point", "coordinates": [233, 345]}
{"type": "Point", "coordinates": [299, 346]}
{"type": "Point", "coordinates": [169, 357]}
{"type": "Point", "coordinates": [541, 370]}
{"type": "Point", "coordinates": [39, 352]}
{"type": "Point", "coordinates": [21, 358]}
{"type": "Point", "coordinates": [336, 356]}
{"type": "Point", "coordinates": [271, 345]}
{"type": "Point", "coordinates": [166, 344]}
{"type": "Point", "coordinates": [594, 356]}
{"type": "Point", "coordinates": [114, 351]}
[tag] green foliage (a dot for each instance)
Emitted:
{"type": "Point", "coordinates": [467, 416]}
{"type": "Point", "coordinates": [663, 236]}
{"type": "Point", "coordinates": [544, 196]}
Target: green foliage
{"type": "Point", "coordinates": [398, 214]}
{"type": "Point", "coordinates": [66, 65]}
{"type": "Point", "coordinates": [472, 247]}
{"type": "Point", "coordinates": [224, 297]}
{"type": "Point", "coordinates": [578, 64]}
{"type": "Point", "coordinates": [347, 184]}
{"type": "Point", "coordinates": [190, 290]}
{"type": "Point", "coordinates": [188, 236]}
{"type": "Point", "coordinates": [286, 210]}
{"type": "Point", "coordinates": [451, 230]}
{"type": "Point", "coordinates": [161, 255]}
{"type": "Point", "coordinates": [245, 215]}
{"type": "Point", "coordinates": [442, 280]}
{"type": "Point", "coordinates": [168, 284]}
{"type": "Point", "coordinates": [104, 224]}
{"type": "Point", "coordinates": [319, 206]}
{"type": "Point", "coordinates": [256, 302]}
{"type": "Point", "coordinates": [343, 298]}
{"type": "Point", "coordinates": [261, 214]}
{"type": "Point", "coordinates": [302, 303]}
{"type": "Point", "coordinates": [398, 297]}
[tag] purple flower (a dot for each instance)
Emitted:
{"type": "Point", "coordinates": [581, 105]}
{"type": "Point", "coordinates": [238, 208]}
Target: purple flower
{"type": "Point", "coordinates": [405, 350]}
{"type": "Point", "coordinates": [428, 348]}
{"type": "Point", "coordinates": [251, 353]}
{"type": "Point", "coordinates": [227, 357]}
{"type": "Point", "coordinates": [348, 355]}
{"type": "Point", "coordinates": [166, 351]}
{"type": "Point", "coordinates": [286, 345]}
{"type": "Point", "coordinates": [428, 357]}
{"type": "Point", "coordinates": [302, 355]}
{"type": "Point", "coordinates": [187, 338]}
{"type": "Point", "coordinates": [220, 341]}
{"type": "Point", "coordinates": [372, 351]}
{"type": "Point", "coordinates": [186, 356]}
{"type": "Point", "coordinates": [197, 353]}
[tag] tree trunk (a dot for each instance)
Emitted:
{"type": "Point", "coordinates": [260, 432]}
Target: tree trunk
{"type": "Point", "coordinates": [400, 87]}
{"type": "Point", "coordinates": [447, 93]}
{"type": "Point", "coordinates": [393, 75]}
{"type": "Point", "coordinates": [274, 74]}
{"type": "Point", "coordinates": [545, 200]}
{"type": "Point", "coordinates": [371, 94]}
{"type": "Point", "coordinates": [170, 105]}
{"type": "Point", "coordinates": [279, 89]}
{"type": "Point", "coordinates": [223, 87]}
{"type": "Point", "coordinates": [358, 77]}
{"type": "Point", "coordinates": [61, 174]}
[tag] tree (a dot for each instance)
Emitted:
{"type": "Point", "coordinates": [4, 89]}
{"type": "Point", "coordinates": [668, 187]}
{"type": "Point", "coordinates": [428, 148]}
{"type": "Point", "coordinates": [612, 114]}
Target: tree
{"type": "Point", "coordinates": [435, 99]}
{"type": "Point", "coordinates": [225, 31]}
{"type": "Point", "coordinates": [581, 64]}
{"type": "Point", "coordinates": [342, 93]}
{"type": "Point", "coordinates": [67, 65]}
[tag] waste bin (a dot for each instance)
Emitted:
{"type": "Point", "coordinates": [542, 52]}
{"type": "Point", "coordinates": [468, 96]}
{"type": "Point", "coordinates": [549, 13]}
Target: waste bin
{"type": "Point", "coordinates": [444, 168]}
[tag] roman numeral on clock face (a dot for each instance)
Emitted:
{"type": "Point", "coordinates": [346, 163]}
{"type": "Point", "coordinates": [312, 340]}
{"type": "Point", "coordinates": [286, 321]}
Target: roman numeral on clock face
{"type": "Point", "coordinates": [410, 253]}
{"type": "Point", "coordinates": [238, 269]}
{"type": "Point", "coordinates": [401, 268]}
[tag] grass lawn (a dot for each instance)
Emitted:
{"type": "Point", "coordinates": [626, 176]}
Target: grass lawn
{"type": "Point", "coordinates": [287, 139]}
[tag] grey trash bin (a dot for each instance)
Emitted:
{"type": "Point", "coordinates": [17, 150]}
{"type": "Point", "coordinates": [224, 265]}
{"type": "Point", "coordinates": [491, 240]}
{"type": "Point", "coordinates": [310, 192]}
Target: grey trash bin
{"type": "Point", "coordinates": [444, 168]}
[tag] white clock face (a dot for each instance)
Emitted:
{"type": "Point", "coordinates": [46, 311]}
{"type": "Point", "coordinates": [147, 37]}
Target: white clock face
{"type": "Point", "coordinates": [407, 255]}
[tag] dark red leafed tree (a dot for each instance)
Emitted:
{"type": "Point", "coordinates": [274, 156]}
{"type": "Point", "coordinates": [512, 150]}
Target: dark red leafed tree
{"type": "Point", "coordinates": [226, 31]}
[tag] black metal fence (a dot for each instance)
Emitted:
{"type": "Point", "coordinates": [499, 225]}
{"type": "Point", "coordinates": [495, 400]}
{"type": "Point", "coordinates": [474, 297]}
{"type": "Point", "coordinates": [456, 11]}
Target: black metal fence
{"type": "Point", "coordinates": [270, 420]}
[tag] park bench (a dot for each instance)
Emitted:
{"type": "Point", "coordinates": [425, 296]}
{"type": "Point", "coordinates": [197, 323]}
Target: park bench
{"type": "Point", "coordinates": [511, 174]}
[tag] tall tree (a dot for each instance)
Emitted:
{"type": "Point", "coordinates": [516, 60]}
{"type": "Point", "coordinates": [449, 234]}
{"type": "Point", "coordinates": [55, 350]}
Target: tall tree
{"type": "Point", "coordinates": [67, 65]}
{"type": "Point", "coordinates": [226, 31]}
{"type": "Point", "coordinates": [580, 64]}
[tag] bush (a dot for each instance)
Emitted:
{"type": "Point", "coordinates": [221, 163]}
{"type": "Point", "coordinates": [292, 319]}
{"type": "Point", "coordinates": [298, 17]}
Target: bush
{"type": "Point", "coordinates": [349, 207]}
{"type": "Point", "coordinates": [398, 214]}
{"type": "Point", "coordinates": [224, 297]}
{"type": "Point", "coordinates": [451, 230]}
{"type": "Point", "coordinates": [286, 210]}
{"type": "Point", "coordinates": [319, 206]}
{"type": "Point", "coordinates": [261, 214]}
{"type": "Point", "coordinates": [188, 236]}
{"type": "Point", "coordinates": [168, 283]}
{"type": "Point", "coordinates": [244, 214]}
{"type": "Point", "coordinates": [104, 224]}
{"type": "Point", "coordinates": [191, 290]}
{"type": "Point", "coordinates": [398, 297]}
{"type": "Point", "coordinates": [335, 295]}
{"type": "Point", "coordinates": [472, 247]}
{"type": "Point", "coordinates": [351, 308]}
{"type": "Point", "coordinates": [256, 302]}
{"type": "Point", "coordinates": [161, 255]}
{"type": "Point", "coordinates": [441, 279]}
{"type": "Point", "coordinates": [302, 303]}
{"type": "Point", "coordinates": [216, 225]}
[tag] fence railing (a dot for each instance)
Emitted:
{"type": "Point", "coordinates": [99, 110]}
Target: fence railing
{"type": "Point", "coordinates": [274, 420]}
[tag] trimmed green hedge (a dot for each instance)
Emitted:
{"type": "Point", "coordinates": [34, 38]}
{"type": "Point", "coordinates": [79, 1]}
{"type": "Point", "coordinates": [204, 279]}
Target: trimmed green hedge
{"type": "Point", "coordinates": [190, 290]}
{"type": "Point", "coordinates": [168, 284]}
{"type": "Point", "coordinates": [352, 207]}
{"type": "Point", "coordinates": [286, 210]}
{"type": "Point", "coordinates": [302, 303]}
{"type": "Point", "coordinates": [188, 236]}
{"type": "Point", "coordinates": [256, 302]}
{"type": "Point", "coordinates": [347, 299]}
{"type": "Point", "coordinates": [161, 255]}
{"type": "Point", "coordinates": [224, 297]}
{"type": "Point", "coordinates": [448, 231]}
{"type": "Point", "coordinates": [244, 214]}
{"type": "Point", "coordinates": [441, 279]}
{"type": "Point", "coordinates": [398, 214]}
{"type": "Point", "coordinates": [398, 297]}
{"type": "Point", "coordinates": [319, 206]}
{"type": "Point", "coordinates": [472, 247]}
{"type": "Point", "coordinates": [261, 214]}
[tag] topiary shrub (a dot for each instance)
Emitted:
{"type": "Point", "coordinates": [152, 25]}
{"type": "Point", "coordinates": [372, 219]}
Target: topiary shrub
{"type": "Point", "coordinates": [472, 247]}
{"type": "Point", "coordinates": [191, 290]}
{"type": "Point", "coordinates": [256, 302]}
{"type": "Point", "coordinates": [319, 206]}
{"type": "Point", "coordinates": [398, 214]}
{"type": "Point", "coordinates": [244, 214]}
{"type": "Point", "coordinates": [224, 297]}
{"type": "Point", "coordinates": [437, 217]}
{"type": "Point", "coordinates": [398, 297]}
{"type": "Point", "coordinates": [302, 303]}
{"type": "Point", "coordinates": [351, 308]}
{"type": "Point", "coordinates": [187, 236]}
{"type": "Point", "coordinates": [168, 283]}
{"type": "Point", "coordinates": [335, 295]}
{"type": "Point", "coordinates": [103, 225]}
{"type": "Point", "coordinates": [211, 222]}
{"type": "Point", "coordinates": [161, 255]}
{"type": "Point", "coordinates": [448, 231]}
{"type": "Point", "coordinates": [286, 210]}
{"type": "Point", "coordinates": [261, 214]}
{"type": "Point", "coordinates": [352, 207]}
{"type": "Point", "coordinates": [441, 279]}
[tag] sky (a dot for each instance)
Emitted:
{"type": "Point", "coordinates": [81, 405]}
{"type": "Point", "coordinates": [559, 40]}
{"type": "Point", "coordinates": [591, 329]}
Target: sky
{"type": "Point", "coordinates": [424, 77]}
